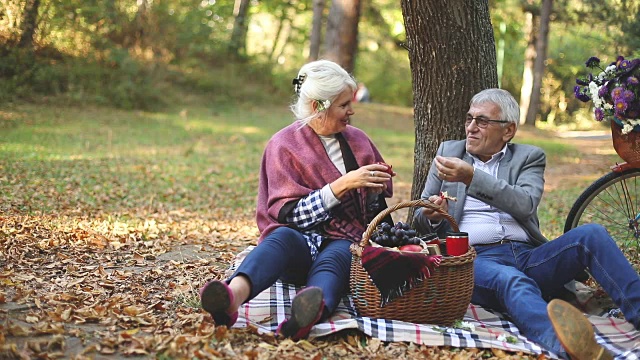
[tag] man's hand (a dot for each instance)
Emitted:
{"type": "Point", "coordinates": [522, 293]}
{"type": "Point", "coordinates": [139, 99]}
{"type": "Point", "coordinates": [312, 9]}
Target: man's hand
{"type": "Point", "coordinates": [432, 214]}
{"type": "Point", "coordinates": [453, 169]}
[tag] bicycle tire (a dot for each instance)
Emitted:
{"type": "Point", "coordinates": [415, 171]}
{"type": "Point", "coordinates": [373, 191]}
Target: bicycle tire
{"type": "Point", "coordinates": [612, 201]}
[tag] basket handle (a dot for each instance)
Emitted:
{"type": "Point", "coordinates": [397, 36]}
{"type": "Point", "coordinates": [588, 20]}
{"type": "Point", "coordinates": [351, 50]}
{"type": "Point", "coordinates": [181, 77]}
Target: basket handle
{"type": "Point", "coordinates": [420, 202]}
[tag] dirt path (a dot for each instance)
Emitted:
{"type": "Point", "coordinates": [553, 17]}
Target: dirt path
{"type": "Point", "coordinates": [595, 159]}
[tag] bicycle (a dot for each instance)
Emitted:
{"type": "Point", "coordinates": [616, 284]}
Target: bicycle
{"type": "Point", "coordinates": [614, 202]}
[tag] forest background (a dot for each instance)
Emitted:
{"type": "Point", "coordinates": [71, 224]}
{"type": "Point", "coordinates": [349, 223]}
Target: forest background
{"type": "Point", "coordinates": [131, 133]}
{"type": "Point", "coordinates": [123, 53]}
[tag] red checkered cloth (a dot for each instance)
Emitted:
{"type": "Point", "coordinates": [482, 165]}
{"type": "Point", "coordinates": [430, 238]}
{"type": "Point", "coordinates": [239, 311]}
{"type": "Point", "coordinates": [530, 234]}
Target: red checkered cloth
{"type": "Point", "coordinates": [394, 272]}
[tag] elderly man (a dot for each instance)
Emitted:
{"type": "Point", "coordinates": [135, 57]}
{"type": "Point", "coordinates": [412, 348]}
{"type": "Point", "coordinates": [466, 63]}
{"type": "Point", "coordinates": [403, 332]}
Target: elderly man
{"type": "Point", "coordinates": [498, 186]}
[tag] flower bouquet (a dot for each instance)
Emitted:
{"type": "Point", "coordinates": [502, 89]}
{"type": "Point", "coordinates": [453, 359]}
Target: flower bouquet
{"type": "Point", "coordinates": [615, 92]}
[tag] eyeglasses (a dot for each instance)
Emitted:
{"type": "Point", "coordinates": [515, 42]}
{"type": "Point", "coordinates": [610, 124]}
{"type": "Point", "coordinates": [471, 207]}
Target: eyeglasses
{"type": "Point", "coordinates": [482, 122]}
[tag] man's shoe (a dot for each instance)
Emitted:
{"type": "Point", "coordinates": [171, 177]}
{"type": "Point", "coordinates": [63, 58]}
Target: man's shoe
{"type": "Point", "coordinates": [216, 297]}
{"type": "Point", "coordinates": [575, 332]}
{"type": "Point", "coordinates": [306, 310]}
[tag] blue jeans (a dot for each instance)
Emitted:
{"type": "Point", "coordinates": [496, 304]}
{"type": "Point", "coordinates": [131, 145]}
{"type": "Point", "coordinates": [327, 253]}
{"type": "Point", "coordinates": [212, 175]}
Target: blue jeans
{"type": "Point", "coordinates": [515, 278]}
{"type": "Point", "coordinates": [284, 254]}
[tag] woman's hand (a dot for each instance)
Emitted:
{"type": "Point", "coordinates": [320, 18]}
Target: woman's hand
{"type": "Point", "coordinates": [373, 176]}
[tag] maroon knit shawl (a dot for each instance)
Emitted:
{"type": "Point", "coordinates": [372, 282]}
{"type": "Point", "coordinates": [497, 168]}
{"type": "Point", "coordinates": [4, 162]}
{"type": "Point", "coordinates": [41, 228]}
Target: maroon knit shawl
{"type": "Point", "coordinates": [295, 163]}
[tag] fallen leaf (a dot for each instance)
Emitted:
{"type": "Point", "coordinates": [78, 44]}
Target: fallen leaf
{"type": "Point", "coordinates": [56, 343]}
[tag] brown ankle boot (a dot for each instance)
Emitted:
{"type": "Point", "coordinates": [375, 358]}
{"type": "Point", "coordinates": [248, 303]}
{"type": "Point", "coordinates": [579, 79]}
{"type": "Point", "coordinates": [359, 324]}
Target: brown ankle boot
{"type": "Point", "coordinates": [575, 332]}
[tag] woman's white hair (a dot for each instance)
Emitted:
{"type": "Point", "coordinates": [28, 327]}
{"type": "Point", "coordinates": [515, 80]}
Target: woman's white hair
{"type": "Point", "coordinates": [321, 80]}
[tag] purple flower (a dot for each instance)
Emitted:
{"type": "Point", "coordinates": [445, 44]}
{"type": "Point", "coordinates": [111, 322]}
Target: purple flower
{"type": "Point", "coordinates": [602, 92]}
{"type": "Point", "coordinates": [628, 95]}
{"type": "Point", "coordinates": [616, 93]}
{"type": "Point", "coordinates": [580, 94]}
{"type": "Point", "coordinates": [624, 64]}
{"type": "Point", "coordinates": [599, 114]}
{"type": "Point", "coordinates": [618, 90]}
{"type": "Point", "coordinates": [593, 62]}
{"type": "Point", "coordinates": [620, 106]}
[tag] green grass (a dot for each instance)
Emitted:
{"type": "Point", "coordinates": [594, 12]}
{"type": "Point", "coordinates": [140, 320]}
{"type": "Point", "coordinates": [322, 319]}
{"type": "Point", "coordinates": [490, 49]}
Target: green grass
{"type": "Point", "coordinates": [195, 157]}
{"type": "Point", "coordinates": [191, 173]}
{"type": "Point", "coordinates": [101, 158]}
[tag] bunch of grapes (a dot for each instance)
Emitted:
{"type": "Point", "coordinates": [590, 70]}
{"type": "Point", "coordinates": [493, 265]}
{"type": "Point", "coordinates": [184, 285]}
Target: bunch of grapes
{"type": "Point", "coordinates": [395, 235]}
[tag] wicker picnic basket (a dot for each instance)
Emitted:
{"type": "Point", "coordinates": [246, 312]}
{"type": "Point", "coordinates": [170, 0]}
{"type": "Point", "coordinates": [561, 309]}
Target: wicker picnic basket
{"type": "Point", "coordinates": [440, 299]}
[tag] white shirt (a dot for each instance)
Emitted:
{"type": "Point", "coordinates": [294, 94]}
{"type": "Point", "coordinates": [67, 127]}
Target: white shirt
{"type": "Point", "coordinates": [332, 146]}
{"type": "Point", "coordinates": [485, 223]}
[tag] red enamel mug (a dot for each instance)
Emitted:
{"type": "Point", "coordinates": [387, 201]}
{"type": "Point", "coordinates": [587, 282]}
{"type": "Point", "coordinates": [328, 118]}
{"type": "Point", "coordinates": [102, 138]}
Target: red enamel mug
{"type": "Point", "coordinates": [457, 243]}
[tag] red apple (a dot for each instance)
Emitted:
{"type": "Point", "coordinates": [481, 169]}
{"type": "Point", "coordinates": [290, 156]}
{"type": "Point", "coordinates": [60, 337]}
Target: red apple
{"type": "Point", "coordinates": [388, 170]}
{"type": "Point", "coordinates": [411, 247]}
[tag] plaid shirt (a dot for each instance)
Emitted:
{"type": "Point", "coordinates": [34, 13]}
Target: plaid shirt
{"type": "Point", "coordinates": [308, 213]}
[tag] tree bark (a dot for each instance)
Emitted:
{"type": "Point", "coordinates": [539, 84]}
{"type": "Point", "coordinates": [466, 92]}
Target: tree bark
{"type": "Point", "coordinates": [140, 22]}
{"type": "Point", "coordinates": [238, 42]}
{"type": "Point", "coordinates": [276, 39]}
{"type": "Point", "coordinates": [342, 33]}
{"type": "Point", "coordinates": [315, 37]}
{"type": "Point", "coordinates": [529, 56]}
{"type": "Point", "coordinates": [29, 23]}
{"type": "Point", "coordinates": [452, 57]}
{"type": "Point", "coordinates": [542, 42]}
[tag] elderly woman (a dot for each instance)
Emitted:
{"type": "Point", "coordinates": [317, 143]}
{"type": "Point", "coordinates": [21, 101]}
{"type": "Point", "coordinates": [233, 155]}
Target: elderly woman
{"type": "Point", "coordinates": [321, 182]}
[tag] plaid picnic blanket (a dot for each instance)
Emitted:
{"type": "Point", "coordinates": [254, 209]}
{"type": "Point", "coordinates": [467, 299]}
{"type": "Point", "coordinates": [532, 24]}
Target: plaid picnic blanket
{"type": "Point", "coordinates": [482, 328]}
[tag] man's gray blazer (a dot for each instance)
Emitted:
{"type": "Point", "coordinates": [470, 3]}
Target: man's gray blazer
{"type": "Point", "coordinates": [517, 190]}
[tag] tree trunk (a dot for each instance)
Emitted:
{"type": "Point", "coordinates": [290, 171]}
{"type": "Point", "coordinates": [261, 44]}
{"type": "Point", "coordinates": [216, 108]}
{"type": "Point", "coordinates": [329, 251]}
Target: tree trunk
{"type": "Point", "coordinates": [452, 57]}
{"type": "Point", "coordinates": [500, 55]}
{"type": "Point", "coordinates": [139, 25]}
{"type": "Point", "coordinates": [286, 40]}
{"type": "Point", "coordinates": [238, 42]}
{"type": "Point", "coordinates": [529, 56]}
{"type": "Point", "coordinates": [315, 37]}
{"type": "Point", "coordinates": [29, 23]}
{"type": "Point", "coordinates": [342, 33]}
{"type": "Point", "coordinates": [276, 39]}
{"type": "Point", "coordinates": [542, 42]}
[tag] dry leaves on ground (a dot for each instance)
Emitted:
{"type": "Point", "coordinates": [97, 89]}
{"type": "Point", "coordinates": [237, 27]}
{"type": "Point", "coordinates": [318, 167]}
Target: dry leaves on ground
{"type": "Point", "coordinates": [80, 283]}
{"type": "Point", "coordinates": [86, 288]}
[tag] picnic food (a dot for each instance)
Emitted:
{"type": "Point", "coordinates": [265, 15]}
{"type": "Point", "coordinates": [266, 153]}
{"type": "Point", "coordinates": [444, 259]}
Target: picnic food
{"type": "Point", "coordinates": [411, 247]}
{"type": "Point", "coordinates": [445, 196]}
{"type": "Point", "coordinates": [394, 235]}
{"type": "Point", "coordinates": [388, 170]}
{"type": "Point", "coordinates": [400, 235]}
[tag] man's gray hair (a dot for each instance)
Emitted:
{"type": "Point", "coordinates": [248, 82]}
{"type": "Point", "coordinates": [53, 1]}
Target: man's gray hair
{"type": "Point", "coordinates": [509, 107]}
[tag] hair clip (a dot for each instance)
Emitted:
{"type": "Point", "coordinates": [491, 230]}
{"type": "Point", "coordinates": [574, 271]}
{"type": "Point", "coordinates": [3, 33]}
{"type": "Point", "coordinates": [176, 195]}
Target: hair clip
{"type": "Point", "coordinates": [297, 83]}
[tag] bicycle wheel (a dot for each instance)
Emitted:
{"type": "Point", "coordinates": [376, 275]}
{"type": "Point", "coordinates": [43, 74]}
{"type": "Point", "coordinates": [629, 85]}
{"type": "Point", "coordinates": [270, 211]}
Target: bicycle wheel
{"type": "Point", "coordinates": [614, 202]}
